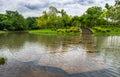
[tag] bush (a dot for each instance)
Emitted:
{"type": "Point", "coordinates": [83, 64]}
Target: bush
{"type": "Point", "coordinates": [100, 29]}
{"type": "Point", "coordinates": [71, 29]}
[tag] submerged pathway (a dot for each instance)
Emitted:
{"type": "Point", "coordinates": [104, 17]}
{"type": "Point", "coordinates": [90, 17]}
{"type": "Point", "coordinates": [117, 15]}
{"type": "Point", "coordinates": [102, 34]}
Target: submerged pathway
{"type": "Point", "coordinates": [86, 31]}
{"type": "Point", "coordinates": [88, 40]}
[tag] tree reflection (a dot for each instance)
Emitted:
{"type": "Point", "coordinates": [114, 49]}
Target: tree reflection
{"type": "Point", "coordinates": [88, 42]}
{"type": "Point", "coordinates": [13, 41]}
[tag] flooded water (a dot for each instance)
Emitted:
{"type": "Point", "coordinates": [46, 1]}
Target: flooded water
{"type": "Point", "coordinates": [29, 55]}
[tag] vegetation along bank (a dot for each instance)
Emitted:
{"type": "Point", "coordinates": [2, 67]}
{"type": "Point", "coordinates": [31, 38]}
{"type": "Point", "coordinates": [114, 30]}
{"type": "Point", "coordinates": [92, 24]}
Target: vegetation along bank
{"type": "Point", "coordinates": [55, 21]}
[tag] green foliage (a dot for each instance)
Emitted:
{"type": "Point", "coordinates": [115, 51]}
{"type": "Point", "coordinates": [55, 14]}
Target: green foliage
{"type": "Point", "coordinates": [59, 20]}
{"type": "Point", "coordinates": [69, 30]}
{"type": "Point", "coordinates": [75, 21]}
{"type": "Point", "coordinates": [100, 29]}
{"type": "Point", "coordinates": [107, 6]}
{"type": "Point", "coordinates": [31, 21]}
{"type": "Point", "coordinates": [113, 14]}
{"type": "Point", "coordinates": [107, 31]}
{"type": "Point", "coordinates": [92, 17]}
{"type": "Point", "coordinates": [2, 20]}
{"type": "Point", "coordinates": [18, 21]}
{"type": "Point", "coordinates": [53, 19]}
{"type": "Point", "coordinates": [12, 20]}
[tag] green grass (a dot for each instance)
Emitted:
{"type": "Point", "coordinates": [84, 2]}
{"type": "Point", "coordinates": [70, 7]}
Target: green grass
{"type": "Point", "coordinates": [42, 31]}
{"type": "Point", "coordinates": [106, 31]}
{"type": "Point", "coordinates": [114, 31]}
{"type": "Point", "coordinates": [2, 32]}
{"type": "Point", "coordinates": [52, 32]}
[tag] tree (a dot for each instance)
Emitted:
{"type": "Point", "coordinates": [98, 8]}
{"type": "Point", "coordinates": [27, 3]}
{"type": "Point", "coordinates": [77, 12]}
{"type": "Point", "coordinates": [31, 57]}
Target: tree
{"type": "Point", "coordinates": [91, 17]}
{"type": "Point", "coordinates": [3, 18]}
{"type": "Point", "coordinates": [53, 19]}
{"type": "Point", "coordinates": [31, 21]}
{"type": "Point", "coordinates": [17, 21]}
{"type": "Point", "coordinates": [107, 6]}
{"type": "Point", "coordinates": [113, 13]}
{"type": "Point", "coordinates": [75, 21]}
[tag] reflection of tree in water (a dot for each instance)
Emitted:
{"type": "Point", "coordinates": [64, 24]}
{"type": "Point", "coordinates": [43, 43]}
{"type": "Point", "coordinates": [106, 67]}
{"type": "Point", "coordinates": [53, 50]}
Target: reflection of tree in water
{"type": "Point", "coordinates": [110, 51]}
{"type": "Point", "coordinates": [53, 43]}
{"type": "Point", "coordinates": [99, 40]}
{"type": "Point", "coordinates": [56, 43]}
{"type": "Point", "coordinates": [13, 40]}
{"type": "Point", "coordinates": [88, 42]}
{"type": "Point", "coordinates": [72, 60]}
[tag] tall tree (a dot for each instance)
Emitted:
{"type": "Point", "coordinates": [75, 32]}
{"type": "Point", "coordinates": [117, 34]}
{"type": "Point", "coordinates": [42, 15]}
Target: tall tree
{"type": "Point", "coordinates": [31, 21]}
{"type": "Point", "coordinates": [114, 13]}
{"type": "Point", "coordinates": [53, 19]}
{"type": "Point", "coordinates": [3, 18]}
{"type": "Point", "coordinates": [91, 17]}
{"type": "Point", "coordinates": [17, 21]}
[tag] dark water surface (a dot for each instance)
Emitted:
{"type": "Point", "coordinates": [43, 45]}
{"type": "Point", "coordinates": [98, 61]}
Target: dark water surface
{"type": "Point", "coordinates": [28, 55]}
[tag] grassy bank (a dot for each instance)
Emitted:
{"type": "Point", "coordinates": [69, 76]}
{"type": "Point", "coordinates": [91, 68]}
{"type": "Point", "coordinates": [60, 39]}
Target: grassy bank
{"type": "Point", "coordinates": [42, 31]}
{"type": "Point", "coordinates": [71, 30]}
{"type": "Point", "coordinates": [106, 31]}
{"type": "Point", "coordinates": [51, 32]}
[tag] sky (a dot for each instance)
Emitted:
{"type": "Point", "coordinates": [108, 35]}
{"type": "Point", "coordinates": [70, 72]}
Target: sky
{"type": "Point", "coordinates": [36, 7]}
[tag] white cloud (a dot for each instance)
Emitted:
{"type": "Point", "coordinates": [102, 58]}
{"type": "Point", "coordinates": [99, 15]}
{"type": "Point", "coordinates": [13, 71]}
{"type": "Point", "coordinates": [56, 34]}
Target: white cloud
{"type": "Point", "coordinates": [36, 7]}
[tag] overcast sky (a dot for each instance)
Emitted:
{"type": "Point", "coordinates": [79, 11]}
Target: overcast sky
{"type": "Point", "coordinates": [36, 7]}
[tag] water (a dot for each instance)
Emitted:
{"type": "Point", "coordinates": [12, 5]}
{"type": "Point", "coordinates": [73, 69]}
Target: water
{"type": "Point", "coordinates": [28, 55]}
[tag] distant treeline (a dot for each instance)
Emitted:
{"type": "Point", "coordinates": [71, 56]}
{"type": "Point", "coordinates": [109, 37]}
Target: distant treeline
{"type": "Point", "coordinates": [55, 19]}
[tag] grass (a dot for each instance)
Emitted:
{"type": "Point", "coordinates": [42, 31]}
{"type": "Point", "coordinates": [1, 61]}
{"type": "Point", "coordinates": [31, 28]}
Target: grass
{"type": "Point", "coordinates": [2, 32]}
{"type": "Point", "coordinates": [114, 31]}
{"type": "Point", "coordinates": [43, 31]}
{"type": "Point", "coordinates": [53, 32]}
{"type": "Point", "coordinates": [75, 31]}
{"type": "Point", "coordinates": [106, 31]}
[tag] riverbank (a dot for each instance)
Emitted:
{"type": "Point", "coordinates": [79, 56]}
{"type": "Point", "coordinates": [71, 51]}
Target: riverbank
{"type": "Point", "coordinates": [72, 31]}
{"type": "Point", "coordinates": [55, 32]}
{"type": "Point", "coordinates": [106, 31]}
{"type": "Point", "coordinates": [42, 31]}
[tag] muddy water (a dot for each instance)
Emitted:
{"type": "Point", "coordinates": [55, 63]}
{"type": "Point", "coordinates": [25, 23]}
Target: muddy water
{"type": "Point", "coordinates": [29, 55]}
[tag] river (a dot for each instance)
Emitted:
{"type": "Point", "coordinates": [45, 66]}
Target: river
{"type": "Point", "coordinates": [33, 55]}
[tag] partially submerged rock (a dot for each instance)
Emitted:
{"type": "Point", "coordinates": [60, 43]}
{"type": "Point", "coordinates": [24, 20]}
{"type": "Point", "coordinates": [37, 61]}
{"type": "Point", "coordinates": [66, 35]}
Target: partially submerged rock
{"type": "Point", "coordinates": [91, 51]}
{"type": "Point", "coordinates": [2, 60]}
